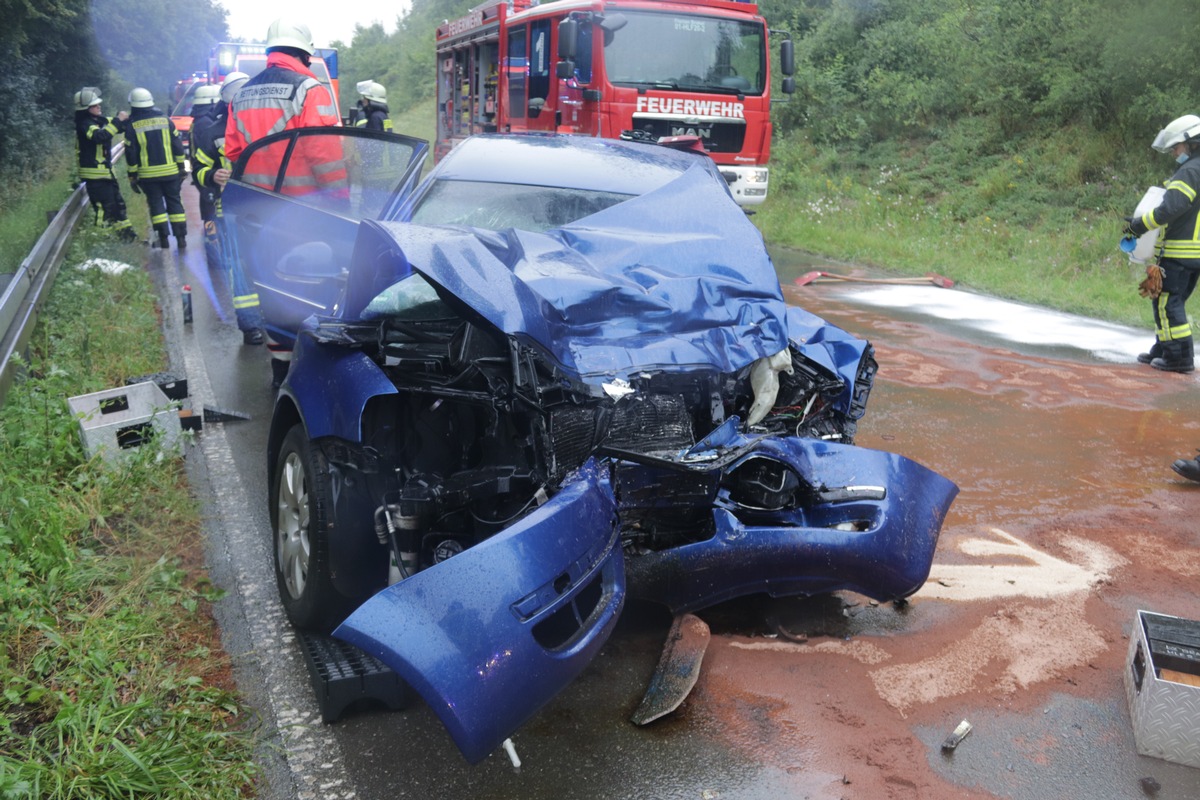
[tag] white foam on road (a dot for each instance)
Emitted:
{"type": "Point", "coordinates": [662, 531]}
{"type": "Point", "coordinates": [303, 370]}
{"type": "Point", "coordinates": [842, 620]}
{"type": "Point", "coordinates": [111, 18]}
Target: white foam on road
{"type": "Point", "coordinates": [1017, 323]}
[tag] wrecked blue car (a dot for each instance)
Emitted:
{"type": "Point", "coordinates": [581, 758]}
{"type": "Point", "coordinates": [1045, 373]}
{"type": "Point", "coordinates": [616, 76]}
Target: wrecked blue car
{"type": "Point", "coordinates": [557, 372]}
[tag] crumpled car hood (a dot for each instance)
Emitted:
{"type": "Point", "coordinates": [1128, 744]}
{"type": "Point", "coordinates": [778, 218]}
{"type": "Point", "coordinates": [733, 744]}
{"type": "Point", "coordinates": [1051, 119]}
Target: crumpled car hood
{"type": "Point", "coordinates": [678, 277]}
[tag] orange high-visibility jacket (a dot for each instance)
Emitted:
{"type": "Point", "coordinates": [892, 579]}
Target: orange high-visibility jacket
{"type": "Point", "coordinates": [283, 96]}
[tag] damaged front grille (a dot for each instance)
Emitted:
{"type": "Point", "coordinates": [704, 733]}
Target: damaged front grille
{"type": "Point", "coordinates": [643, 424]}
{"type": "Point", "coordinates": [717, 136]}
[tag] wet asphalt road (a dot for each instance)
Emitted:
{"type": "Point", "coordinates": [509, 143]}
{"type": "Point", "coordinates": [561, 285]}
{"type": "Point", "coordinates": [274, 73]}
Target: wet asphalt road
{"type": "Point", "coordinates": [1061, 448]}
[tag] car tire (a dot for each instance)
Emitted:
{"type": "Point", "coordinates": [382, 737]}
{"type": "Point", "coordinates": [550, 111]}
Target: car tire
{"type": "Point", "coordinates": [301, 524]}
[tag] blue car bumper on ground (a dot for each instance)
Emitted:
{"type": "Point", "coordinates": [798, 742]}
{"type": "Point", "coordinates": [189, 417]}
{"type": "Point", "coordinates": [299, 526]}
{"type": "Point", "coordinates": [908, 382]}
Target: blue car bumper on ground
{"type": "Point", "coordinates": [487, 658]}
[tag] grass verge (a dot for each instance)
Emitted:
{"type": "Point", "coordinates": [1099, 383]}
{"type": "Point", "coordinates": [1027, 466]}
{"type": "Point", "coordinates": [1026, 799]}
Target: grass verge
{"type": "Point", "coordinates": [24, 211]}
{"type": "Point", "coordinates": [1040, 225]}
{"type": "Point", "coordinates": [114, 681]}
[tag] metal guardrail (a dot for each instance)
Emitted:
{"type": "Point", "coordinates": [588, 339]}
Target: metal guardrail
{"type": "Point", "coordinates": [26, 290]}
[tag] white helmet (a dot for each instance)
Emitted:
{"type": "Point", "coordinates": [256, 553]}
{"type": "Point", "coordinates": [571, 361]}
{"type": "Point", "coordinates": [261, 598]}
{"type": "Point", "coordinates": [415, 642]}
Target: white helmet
{"type": "Point", "coordinates": [372, 91]}
{"type": "Point", "coordinates": [206, 95]}
{"type": "Point", "coordinates": [233, 82]}
{"type": "Point", "coordinates": [286, 33]}
{"type": "Point", "coordinates": [1179, 130]}
{"type": "Point", "coordinates": [87, 97]}
{"type": "Point", "coordinates": [141, 98]}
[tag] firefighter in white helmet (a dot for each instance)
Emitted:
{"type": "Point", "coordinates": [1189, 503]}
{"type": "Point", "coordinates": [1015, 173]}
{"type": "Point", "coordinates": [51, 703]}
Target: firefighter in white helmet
{"type": "Point", "coordinates": [373, 107]}
{"type": "Point", "coordinates": [154, 156]}
{"type": "Point", "coordinates": [1178, 250]}
{"type": "Point", "coordinates": [204, 106]}
{"type": "Point", "coordinates": [94, 135]}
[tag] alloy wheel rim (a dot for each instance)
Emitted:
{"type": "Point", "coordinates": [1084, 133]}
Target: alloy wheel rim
{"type": "Point", "coordinates": [291, 535]}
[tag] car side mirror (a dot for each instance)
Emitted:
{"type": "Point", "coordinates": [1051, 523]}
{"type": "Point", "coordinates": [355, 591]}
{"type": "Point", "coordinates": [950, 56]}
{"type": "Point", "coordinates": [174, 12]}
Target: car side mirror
{"type": "Point", "coordinates": [311, 260]}
{"type": "Point", "coordinates": [564, 70]}
{"type": "Point", "coordinates": [787, 57]}
{"type": "Point", "coordinates": [789, 85]}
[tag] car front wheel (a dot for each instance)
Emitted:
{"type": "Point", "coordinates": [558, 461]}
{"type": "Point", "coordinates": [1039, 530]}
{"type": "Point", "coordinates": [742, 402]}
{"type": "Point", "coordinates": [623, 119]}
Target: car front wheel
{"type": "Point", "coordinates": [302, 521]}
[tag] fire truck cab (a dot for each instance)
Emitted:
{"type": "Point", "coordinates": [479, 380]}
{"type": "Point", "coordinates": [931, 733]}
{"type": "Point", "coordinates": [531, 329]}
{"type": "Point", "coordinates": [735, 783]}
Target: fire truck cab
{"type": "Point", "coordinates": [648, 68]}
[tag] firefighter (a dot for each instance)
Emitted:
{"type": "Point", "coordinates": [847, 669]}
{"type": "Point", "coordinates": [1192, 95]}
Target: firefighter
{"type": "Point", "coordinates": [94, 134]}
{"type": "Point", "coordinates": [1178, 249]}
{"type": "Point", "coordinates": [373, 107]}
{"type": "Point", "coordinates": [210, 170]}
{"type": "Point", "coordinates": [284, 96]}
{"type": "Point", "coordinates": [154, 156]}
{"type": "Point", "coordinates": [204, 107]}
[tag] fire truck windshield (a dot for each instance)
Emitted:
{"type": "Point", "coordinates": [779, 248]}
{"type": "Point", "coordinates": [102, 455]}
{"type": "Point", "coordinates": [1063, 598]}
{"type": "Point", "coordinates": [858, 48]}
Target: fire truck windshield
{"type": "Point", "coordinates": [705, 54]}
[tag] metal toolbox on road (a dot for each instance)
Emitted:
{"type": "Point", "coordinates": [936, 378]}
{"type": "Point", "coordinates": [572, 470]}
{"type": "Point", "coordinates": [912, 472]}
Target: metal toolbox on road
{"type": "Point", "coordinates": [117, 421]}
{"type": "Point", "coordinates": [1162, 683]}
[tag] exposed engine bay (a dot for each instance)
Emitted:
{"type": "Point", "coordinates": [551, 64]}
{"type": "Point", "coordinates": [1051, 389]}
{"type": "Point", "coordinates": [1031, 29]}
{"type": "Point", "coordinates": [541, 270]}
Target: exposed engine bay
{"type": "Point", "coordinates": [483, 429]}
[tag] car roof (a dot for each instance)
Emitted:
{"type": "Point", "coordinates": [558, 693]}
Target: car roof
{"type": "Point", "coordinates": [566, 161]}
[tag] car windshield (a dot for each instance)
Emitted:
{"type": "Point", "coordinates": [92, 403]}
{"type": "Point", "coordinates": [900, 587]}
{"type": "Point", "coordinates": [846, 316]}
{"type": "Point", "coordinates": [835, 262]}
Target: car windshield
{"type": "Point", "coordinates": [496, 206]}
{"type": "Point", "coordinates": [708, 54]}
{"type": "Point", "coordinates": [184, 107]}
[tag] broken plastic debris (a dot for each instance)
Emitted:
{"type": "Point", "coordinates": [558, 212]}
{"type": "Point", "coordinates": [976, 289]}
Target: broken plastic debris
{"type": "Point", "coordinates": [511, 749]}
{"type": "Point", "coordinates": [959, 734]}
{"type": "Point", "coordinates": [107, 266]}
{"type": "Point", "coordinates": [618, 388]}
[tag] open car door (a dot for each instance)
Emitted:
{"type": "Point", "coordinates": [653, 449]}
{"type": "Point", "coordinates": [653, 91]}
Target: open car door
{"type": "Point", "coordinates": [293, 206]}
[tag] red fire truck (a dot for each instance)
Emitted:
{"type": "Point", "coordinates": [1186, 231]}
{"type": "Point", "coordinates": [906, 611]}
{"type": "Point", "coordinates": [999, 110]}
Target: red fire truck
{"type": "Point", "coordinates": [646, 68]}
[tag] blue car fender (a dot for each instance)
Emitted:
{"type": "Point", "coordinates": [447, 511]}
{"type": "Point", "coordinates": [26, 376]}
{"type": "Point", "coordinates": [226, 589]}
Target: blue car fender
{"type": "Point", "coordinates": [331, 386]}
{"type": "Point", "coordinates": [828, 346]}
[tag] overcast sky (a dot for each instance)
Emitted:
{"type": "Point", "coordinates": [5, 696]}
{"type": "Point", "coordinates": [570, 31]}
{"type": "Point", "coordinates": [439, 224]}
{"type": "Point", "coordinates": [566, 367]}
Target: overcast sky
{"type": "Point", "coordinates": [328, 19]}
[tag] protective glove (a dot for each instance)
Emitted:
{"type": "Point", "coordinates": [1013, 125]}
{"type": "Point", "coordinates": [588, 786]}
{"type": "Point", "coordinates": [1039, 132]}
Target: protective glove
{"type": "Point", "coordinates": [133, 184]}
{"type": "Point", "coordinates": [1128, 229]}
{"type": "Point", "coordinates": [1151, 285]}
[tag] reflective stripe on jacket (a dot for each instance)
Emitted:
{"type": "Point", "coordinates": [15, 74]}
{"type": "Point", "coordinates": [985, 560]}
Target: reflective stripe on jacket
{"type": "Point", "coordinates": [153, 148]}
{"type": "Point", "coordinates": [1179, 213]}
{"type": "Point", "coordinates": [376, 119]}
{"type": "Point", "coordinates": [284, 96]}
{"type": "Point", "coordinates": [93, 146]}
{"type": "Point", "coordinates": [208, 147]}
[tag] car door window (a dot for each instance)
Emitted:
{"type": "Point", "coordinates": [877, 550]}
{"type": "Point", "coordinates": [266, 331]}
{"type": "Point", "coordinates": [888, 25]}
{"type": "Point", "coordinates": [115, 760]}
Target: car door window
{"type": "Point", "coordinates": [516, 67]}
{"type": "Point", "coordinates": [352, 173]}
{"type": "Point", "coordinates": [375, 169]}
{"type": "Point", "coordinates": [261, 166]}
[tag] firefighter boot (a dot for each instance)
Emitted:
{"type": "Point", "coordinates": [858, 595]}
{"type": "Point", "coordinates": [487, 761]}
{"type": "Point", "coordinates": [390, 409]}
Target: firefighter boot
{"type": "Point", "coordinates": [181, 241]}
{"type": "Point", "coordinates": [1188, 468]}
{"type": "Point", "coordinates": [1155, 352]}
{"type": "Point", "coordinates": [163, 242]}
{"type": "Point", "coordinates": [1177, 356]}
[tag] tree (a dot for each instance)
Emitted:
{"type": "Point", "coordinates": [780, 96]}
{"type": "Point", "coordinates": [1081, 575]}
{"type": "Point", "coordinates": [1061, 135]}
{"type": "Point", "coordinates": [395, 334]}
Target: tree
{"type": "Point", "coordinates": [152, 43]}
